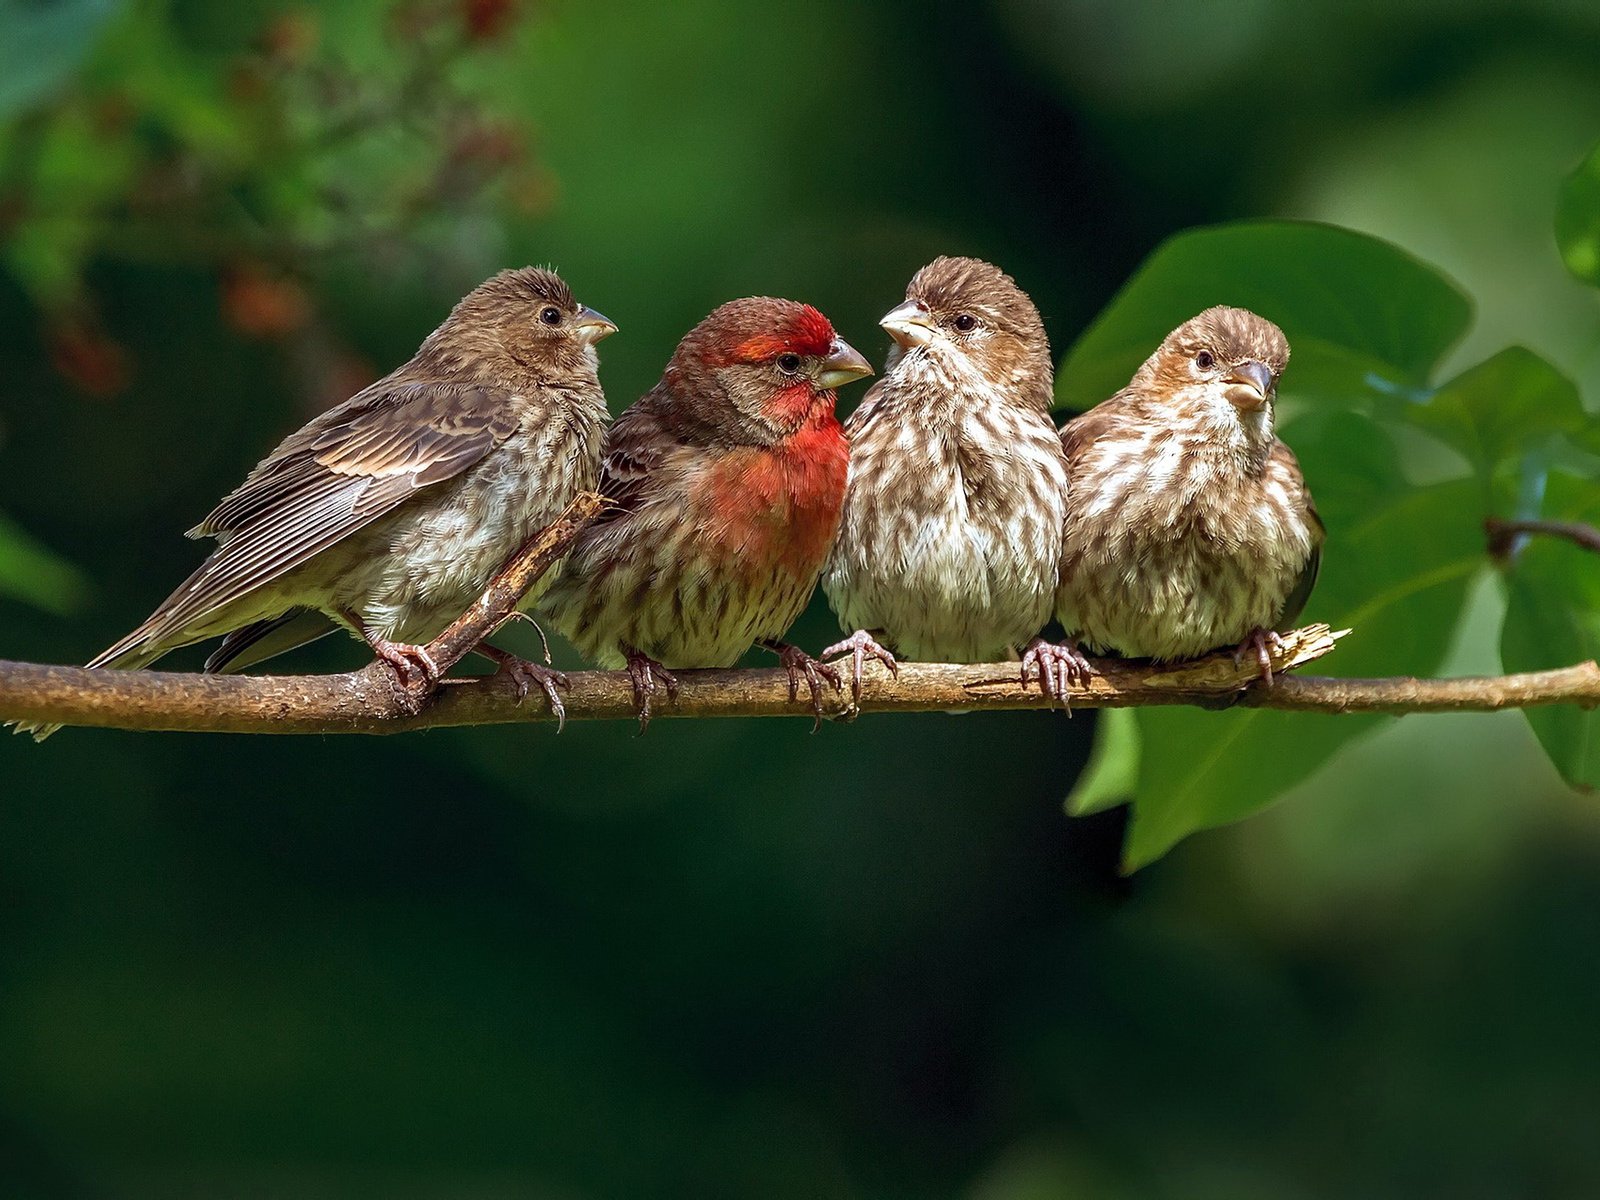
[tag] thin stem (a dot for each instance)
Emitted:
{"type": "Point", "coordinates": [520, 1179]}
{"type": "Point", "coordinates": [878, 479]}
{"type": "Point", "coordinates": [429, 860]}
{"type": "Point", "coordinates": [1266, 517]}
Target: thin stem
{"type": "Point", "coordinates": [1503, 534]}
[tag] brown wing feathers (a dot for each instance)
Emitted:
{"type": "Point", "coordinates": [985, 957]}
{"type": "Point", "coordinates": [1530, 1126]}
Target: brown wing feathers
{"type": "Point", "coordinates": [357, 463]}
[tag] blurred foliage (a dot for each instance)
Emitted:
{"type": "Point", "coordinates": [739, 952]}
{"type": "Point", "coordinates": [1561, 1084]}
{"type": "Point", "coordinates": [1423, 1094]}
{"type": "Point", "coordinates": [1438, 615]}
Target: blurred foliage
{"type": "Point", "coordinates": [31, 573]}
{"type": "Point", "coordinates": [1578, 219]}
{"type": "Point", "coordinates": [731, 958]}
{"type": "Point", "coordinates": [257, 151]}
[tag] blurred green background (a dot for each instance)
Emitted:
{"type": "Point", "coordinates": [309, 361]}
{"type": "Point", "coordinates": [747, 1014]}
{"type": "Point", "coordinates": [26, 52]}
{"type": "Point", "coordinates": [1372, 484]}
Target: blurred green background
{"type": "Point", "coordinates": [732, 958]}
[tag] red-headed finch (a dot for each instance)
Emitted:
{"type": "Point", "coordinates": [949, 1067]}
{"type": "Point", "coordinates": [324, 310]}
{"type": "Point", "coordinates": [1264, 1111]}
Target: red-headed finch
{"type": "Point", "coordinates": [1190, 526]}
{"type": "Point", "coordinates": [727, 479]}
{"type": "Point", "coordinates": [952, 522]}
{"type": "Point", "coordinates": [389, 513]}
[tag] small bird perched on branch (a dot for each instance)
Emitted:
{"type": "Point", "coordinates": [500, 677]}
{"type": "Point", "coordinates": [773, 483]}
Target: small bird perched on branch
{"type": "Point", "coordinates": [951, 534]}
{"type": "Point", "coordinates": [389, 513]}
{"type": "Point", "coordinates": [727, 479]}
{"type": "Point", "coordinates": [1191, 526]}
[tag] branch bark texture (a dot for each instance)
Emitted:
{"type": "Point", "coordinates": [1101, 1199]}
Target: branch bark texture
{"type": "Point", "coordinates": [366, 702]}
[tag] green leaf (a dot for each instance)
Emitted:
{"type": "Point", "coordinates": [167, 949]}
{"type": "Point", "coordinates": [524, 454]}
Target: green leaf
{"type": "Point", "coordinates": [1109, 777]}
{"type": "Point", "coordinates": [1499, 409]}
{"type": "Point", "coordinates": [1364, 318]}
{"type": "Point", "coordinates": [1395, 571]}
{"type": "Point", "coordinates": [42, 42]}
{"type": "Point", "coordinates": [30, 573]}
{"type": "Point", "coordinates": [1553, 620]}
{"type": "Point", "coordinates": [1578, 219]}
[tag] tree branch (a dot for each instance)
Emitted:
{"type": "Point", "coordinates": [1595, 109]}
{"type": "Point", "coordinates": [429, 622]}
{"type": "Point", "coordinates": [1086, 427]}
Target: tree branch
{"type": "Point", "coordinates": [1579, 685]}
{"type": "Point", "coordinates": [1503, 534]}
{"type": "Point", "coordinates": [365, 701]}
{"type": "Point", "coordinates": [370, 700]}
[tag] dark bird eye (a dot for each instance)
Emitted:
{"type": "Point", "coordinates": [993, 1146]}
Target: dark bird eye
{"type": "Point", "coordinates": [550, 316]}
{"type": "Point", "coordinates": [966, 322]}
{"type": "Point", "coordinates": [1205, 360]}
{"type": "Point", "coordinates": [789, 364]}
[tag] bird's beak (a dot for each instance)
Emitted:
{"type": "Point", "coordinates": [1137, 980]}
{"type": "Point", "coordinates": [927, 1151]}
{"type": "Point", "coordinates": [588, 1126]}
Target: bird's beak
{"type": "Point", "coordinates": [592, 326]}
{"type": "Point", "coordinates": [843, 365]}
{"type": "Point", "coordinates": [1250, 385]}
{"type": "Point", "coordinates": [910, 325]}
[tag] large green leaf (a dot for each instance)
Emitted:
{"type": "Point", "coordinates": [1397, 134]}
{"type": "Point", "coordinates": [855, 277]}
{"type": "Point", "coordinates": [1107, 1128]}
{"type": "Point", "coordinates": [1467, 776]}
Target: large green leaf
{"type": "Point", "coordinates": [1364, 318]}
{"type": "Point", "coordinates": [1578, 219]}
{"type": "Point", "coordinates": [1553, 620]}
{"type": "Point", "coordinates": [1496, 411]}
{"type": "Point", "coordinates": [30, 573]}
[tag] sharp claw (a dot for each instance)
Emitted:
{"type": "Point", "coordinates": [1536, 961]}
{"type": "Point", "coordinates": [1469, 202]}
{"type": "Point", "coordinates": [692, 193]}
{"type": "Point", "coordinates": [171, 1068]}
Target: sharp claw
{"type": "Point", "coordinates": [646, 674]}
{"type": "Point", "coordinates": [1058, 667]}
{"type": "Point", "coordinates": [859, 645]}
{"type": "Point", "coordinates": [524, 674]}
{"type": "Point", "coordinates": [556, 706]}
{"type": "Point", "coordinates": [795, 660]}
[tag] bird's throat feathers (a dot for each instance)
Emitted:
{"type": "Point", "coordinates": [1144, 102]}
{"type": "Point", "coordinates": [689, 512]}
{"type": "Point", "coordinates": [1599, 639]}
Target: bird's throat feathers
{"type": "Point", "coordinates": [793, 407]}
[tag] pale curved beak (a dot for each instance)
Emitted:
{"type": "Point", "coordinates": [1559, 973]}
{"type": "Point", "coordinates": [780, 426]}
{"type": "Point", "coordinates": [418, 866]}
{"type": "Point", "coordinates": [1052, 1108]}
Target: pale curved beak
{"type": "Point", "coordinates": [911, 324]}
{"type": "Point", "coordinates": [593, 326]}
{"type": "Point", "coordinates": [1250, 385]}
{"type": "Point", "coordinates": [843, 365]}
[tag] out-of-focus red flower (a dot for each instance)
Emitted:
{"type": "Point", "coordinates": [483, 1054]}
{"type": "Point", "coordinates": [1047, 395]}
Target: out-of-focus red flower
{"type": "Point", "coordinates": [291, 37]}
{"type": "Point", "coordinates": [89, 359]}
{"type": "Point", "coordinates": [488, 143]}
{"type": "Point", "coordinates": [487, 20]}
{"type": "Point", "coordinates": [261, 304]}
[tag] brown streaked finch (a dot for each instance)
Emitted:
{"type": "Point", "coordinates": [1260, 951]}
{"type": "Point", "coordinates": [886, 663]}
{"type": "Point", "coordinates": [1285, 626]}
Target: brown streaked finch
{"type": "Point", "coordinates": [726, 479]}
{"type": "Point", "coordinates": [1191, 527]}
{"type": "Point", "coordinates": [951, 534]}
{"type": "Point", "coordinates": [390, 513]}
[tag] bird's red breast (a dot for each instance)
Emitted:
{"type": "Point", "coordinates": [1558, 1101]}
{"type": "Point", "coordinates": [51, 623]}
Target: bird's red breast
{"type": "Point", "coordinates": [778, 506]}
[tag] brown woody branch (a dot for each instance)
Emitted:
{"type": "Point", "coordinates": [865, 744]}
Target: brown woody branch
{"type": "Point", "coordinates": [1578, 685]}
{"type": "Point", "coordinates": [1503, 533]}
{"type": "Point", "coordinates": [369, 701]}
{"type": "Point", "coordinates": [365, 701]}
